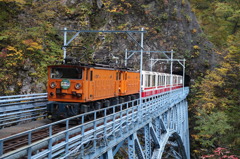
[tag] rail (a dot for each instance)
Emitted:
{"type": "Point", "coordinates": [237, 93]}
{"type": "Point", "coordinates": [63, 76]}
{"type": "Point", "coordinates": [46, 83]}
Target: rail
{"type": "Point", "coordinates": [93, 138]}
{"type": "Point", "coordinates": [21, 108]}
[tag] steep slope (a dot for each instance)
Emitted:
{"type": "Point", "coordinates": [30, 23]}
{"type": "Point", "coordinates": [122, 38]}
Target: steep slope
{"type": "Point", "coordinates": [31, 40]}
{"type": "Point", "coordinates": [215, 99]}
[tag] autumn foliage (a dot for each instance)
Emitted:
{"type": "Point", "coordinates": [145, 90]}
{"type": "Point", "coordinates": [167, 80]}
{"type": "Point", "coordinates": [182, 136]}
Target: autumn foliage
{"type": "Point", "coordinates": [216, 100]}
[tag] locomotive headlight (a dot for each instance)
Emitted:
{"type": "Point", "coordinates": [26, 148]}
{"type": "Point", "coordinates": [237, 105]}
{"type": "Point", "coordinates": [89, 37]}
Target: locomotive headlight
{"type": "Point", "coordinates": [78, 86]}
{"type": "Point", "coordinates": [53, 85]}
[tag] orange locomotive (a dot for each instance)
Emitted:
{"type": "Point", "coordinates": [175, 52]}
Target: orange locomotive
{"type": "Point", "coordinates": [78, 89]}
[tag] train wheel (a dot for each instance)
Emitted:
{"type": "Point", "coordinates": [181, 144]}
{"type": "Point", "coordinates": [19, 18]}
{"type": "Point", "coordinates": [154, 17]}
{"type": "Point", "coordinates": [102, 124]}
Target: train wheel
{"type": "Point", "coordinates": [97, 106]}
{"type": "Point", "coordinates": [84, 109]}
{"type": "Point", "coordinates": [127, 99]}
{"type": "Point", "coordinates": [133, 98]}
{"type": "Point", "coordinates": [121, 100]}
{"type": "Point", "coordinates": [115, 101]}
{"type": "Point", "coordinates": [106, 105]}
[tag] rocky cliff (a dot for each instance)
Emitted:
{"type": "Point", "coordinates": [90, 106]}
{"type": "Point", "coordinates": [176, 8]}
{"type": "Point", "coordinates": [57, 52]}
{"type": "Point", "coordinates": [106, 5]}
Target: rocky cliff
{"type": "Point", "coordinates": [32, 31]}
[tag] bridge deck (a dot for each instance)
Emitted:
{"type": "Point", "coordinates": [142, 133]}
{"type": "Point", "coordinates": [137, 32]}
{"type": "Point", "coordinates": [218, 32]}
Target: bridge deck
{"type": "Point", "coordinates": [22, 127]}
{"type": "Point", "coordinates": [163, 118]}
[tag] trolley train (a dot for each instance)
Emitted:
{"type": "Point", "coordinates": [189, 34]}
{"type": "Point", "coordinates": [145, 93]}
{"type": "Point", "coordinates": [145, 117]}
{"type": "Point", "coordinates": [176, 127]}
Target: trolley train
{"type": "Point", "coordinates": [76, 89]}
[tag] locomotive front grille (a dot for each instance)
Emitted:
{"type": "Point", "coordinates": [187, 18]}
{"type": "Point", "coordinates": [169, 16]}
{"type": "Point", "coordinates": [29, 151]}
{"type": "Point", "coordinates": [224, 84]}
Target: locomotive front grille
{"type": "Point", "coordinates": [58, 90]}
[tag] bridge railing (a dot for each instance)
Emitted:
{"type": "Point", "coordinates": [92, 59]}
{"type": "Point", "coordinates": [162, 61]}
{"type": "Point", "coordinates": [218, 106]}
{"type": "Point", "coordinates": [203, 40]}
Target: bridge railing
{"type": "Point", "coordinates": [21, 108]}
{"type": "Point", "coordinates": [93, 134]}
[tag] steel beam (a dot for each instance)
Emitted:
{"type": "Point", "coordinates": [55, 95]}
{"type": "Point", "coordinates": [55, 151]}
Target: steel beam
{"type": "Point", "coordinates": [138, 148]}
{"type": "Point", "coordinates": [131, 147]}
{"type": "Point", "coordinates": [147, 141]}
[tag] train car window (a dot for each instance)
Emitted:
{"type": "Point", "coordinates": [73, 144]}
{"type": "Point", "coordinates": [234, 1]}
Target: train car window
{"type": "Point", "coordinates": [146, 80]}
{"type": "Point", "coordinates": [149, 81]}
{"type": "Point", "coordinates": [125, 76]}
{"type": "Point", "coordinates": [91, 75]}
{"type": "Point", "coordinates": [64, 72]}
{"type": "Point", "coordinates": [117, 76]}
{"type": "Point", "coordinates": [179, 80]}
{"type": "Point", "coordinates": [159, 80]}
{"type": "Point", "coordinates": [153, 80]}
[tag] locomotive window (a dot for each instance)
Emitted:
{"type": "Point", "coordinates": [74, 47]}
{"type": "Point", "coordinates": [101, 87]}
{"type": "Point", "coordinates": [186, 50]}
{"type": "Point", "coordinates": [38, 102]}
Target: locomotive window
{"type": "Point", "coordinates": [91, 75]}
{"type": "Point", "coordinates": [71, 73]}
{"type": "Point", "coordinates": [87, 74]}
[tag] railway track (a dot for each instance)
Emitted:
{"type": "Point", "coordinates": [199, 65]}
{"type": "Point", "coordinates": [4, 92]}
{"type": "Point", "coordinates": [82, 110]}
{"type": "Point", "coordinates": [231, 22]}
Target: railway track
{"type": "Point", "coordinates": [22, 141]}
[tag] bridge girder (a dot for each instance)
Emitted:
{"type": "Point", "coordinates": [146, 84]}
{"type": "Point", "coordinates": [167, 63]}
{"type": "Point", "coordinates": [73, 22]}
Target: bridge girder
{"type": "Point", "coordinates": [164, 136]}
{"type": "Point", "coordinates": [160, 140]}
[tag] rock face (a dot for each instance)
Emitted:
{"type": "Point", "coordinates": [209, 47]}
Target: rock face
{"type": "Point", "coordinates": [170, 25]}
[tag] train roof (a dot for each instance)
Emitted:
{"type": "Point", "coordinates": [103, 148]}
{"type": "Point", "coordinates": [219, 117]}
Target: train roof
{"type": "Point", "coordinates": [96, 66]}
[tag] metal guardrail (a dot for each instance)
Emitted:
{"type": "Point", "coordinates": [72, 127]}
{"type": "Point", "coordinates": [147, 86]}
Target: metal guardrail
{"type": "Point", "coordinates": [91, 139]}
{"type": "Point", "coordinates": [20, 108]}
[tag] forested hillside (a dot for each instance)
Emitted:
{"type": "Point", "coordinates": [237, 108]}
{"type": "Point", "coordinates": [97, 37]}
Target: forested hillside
{"type": "Point", "coordinates": [216, 97]}
{"type": "Point", "coordinates": [31, 39]}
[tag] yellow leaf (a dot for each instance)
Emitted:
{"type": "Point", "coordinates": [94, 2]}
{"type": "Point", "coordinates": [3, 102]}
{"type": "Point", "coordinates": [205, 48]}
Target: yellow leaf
{"type": "Point", "coordinates": [196, 47]}
{"type": "Point", "coordinates": [30, 49]}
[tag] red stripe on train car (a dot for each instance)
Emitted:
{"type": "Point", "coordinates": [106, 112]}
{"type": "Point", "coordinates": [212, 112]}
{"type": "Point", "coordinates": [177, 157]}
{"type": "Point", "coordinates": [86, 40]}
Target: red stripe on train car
{"type": "Point", "coordinates": [158, 91]}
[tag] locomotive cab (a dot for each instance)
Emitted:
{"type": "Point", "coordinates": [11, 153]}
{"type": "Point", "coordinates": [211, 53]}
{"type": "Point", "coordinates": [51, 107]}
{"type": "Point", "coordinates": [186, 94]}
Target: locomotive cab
{"type": "Point", "coordinates": [65, 90]}
{"type": "Point", "coordinates": [65, 82]}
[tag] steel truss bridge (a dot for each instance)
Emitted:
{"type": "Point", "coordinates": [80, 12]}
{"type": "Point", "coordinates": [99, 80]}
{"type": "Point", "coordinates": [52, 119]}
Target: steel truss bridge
{"type": "Point", "coordinates": [154, 128]}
